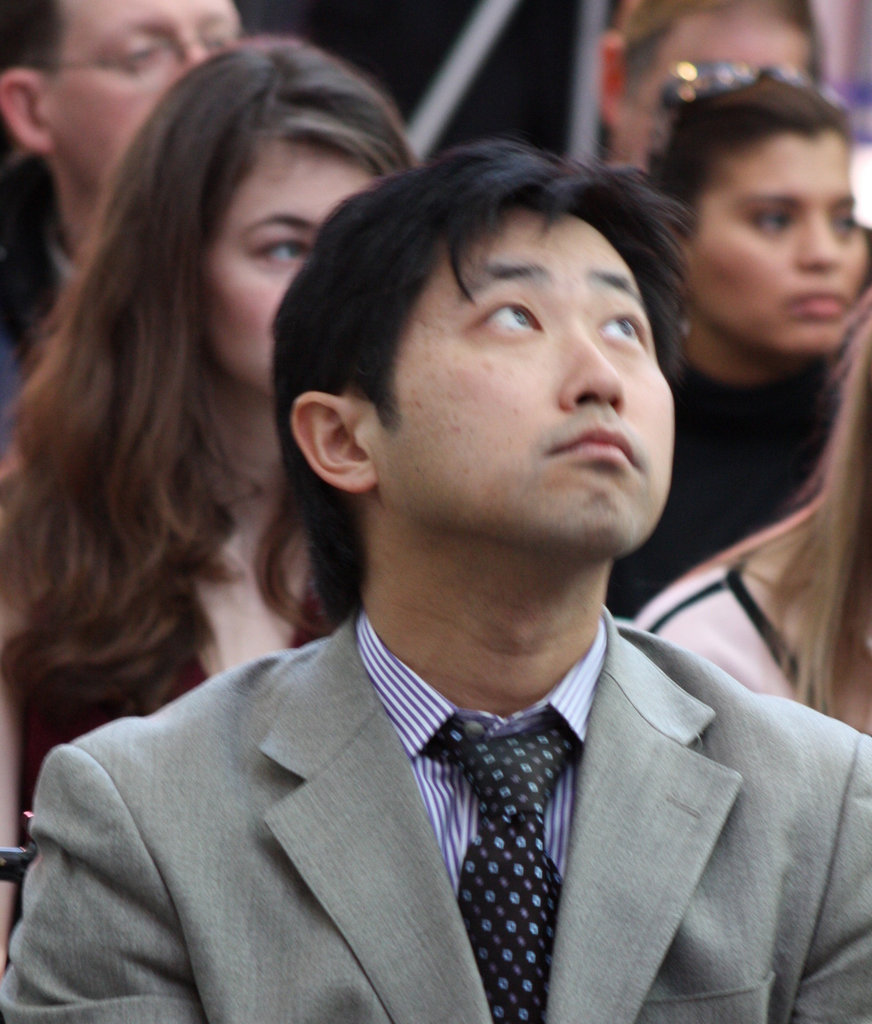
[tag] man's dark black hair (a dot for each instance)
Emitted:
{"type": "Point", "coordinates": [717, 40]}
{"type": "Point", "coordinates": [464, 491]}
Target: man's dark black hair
{"type": "Point", "coordinates": [341, 322]}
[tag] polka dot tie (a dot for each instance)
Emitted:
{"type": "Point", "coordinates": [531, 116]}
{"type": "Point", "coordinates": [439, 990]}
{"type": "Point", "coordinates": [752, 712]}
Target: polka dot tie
{"type": "Point", "coordinates": [509, 887]}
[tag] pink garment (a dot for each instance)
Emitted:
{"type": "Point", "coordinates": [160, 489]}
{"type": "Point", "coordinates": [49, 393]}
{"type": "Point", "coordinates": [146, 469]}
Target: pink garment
{"type": "Point", "coordinates": [702, 614]}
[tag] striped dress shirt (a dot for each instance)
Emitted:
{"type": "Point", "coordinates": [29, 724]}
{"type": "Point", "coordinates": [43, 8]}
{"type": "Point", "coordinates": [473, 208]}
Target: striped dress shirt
{"type": "Point", "coordinates": [417, 712]}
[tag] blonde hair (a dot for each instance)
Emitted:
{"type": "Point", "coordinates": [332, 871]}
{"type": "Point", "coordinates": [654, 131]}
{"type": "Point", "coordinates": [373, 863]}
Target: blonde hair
{"type": "Point", "coordinates": [650, 20]}
{"type": "Point", "coordinates": [825, 580]}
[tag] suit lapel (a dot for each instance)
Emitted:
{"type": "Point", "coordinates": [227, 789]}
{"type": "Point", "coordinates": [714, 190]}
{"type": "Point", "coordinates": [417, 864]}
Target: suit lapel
{"type": "Point", "coordinates": [648, 812]}
{"type": "Point", "coordinates": [357, 832]}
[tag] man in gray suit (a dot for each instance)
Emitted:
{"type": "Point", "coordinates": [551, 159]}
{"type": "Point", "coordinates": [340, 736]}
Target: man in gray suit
{"type": "Point", "coordinates": [474, 412]}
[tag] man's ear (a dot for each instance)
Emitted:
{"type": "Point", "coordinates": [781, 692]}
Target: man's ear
{"type": "Point", "coordinates": [330, 431]}
{"type": "Point", "coordinates": [613, 75]}
{"type": "Point", "coordinates": [22, 105]}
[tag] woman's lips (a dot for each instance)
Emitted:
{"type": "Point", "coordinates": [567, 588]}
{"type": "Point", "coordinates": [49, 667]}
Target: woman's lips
{"type": "Point", "coordinates": [818, 307]}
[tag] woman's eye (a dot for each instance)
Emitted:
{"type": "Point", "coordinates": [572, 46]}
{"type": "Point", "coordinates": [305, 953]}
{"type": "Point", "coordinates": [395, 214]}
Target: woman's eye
{"type": "Point", "coordinates": [512, 318]}
{"type": "Point", "coordinates": [286, 251]}
{"type": "Point", "coordinates": [771, 221]}
{"type": "Point", "coordinates": [845, 224]}
{"type": "Point", "coordinates": [622, 328]}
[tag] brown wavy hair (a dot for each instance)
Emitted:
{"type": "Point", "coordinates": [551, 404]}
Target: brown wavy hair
{"type": "Point", "coordinates": [113, 504]}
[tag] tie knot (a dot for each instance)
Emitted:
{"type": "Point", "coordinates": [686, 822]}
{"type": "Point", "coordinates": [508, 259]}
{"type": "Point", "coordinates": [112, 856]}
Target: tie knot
{"type": "Point", "coordinates": [511, 775]}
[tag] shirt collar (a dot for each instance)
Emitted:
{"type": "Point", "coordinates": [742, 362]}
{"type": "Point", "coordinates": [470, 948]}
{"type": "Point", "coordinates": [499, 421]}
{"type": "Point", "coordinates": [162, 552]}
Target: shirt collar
{"type": "Point", "coordinates": [417, 710]}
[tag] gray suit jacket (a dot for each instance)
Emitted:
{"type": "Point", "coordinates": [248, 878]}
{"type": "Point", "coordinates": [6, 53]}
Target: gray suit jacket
{"type": "Point", "coordinates": [259, 852]}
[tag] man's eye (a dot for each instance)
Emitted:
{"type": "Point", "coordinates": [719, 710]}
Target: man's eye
{"type": "Point", "coordinates": [140, 60]}
{"type": "Point", "coordinates": [220, 41]}
{"type": "Point", "coordinates": [512, 318]}
{"type": "Point", "coordinates": [622, 328]}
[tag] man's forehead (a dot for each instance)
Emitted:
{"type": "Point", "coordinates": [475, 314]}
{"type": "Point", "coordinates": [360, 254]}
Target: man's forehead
{"type": "Point", "coordinates": [736, 32]}
{"type": "Point", "coordinates": [525, 238]}
{"type": "Point", "coordinates": [527, 250]}
{"type": "Point", "coordinates": [105, 16]}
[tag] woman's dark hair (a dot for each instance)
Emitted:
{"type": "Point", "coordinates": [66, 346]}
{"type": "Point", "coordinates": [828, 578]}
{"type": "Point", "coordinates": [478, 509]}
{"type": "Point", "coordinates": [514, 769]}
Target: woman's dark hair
{"type": "Point", "coordinates": [116, 507]}
{"type": "Point", "coordinates": [342, 319]}
{"type": "Point", "coordinates": [706, 131]}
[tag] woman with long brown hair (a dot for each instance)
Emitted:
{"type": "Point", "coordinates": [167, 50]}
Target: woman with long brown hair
{"type": "Point", "coordinates": [147, 534]}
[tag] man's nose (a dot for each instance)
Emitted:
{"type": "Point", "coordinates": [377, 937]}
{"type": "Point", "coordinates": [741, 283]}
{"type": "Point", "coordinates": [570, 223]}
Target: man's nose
{"type": "Point", "coordinates": [191, 52]}
{"type": "Point", "coordinates": [589, 373]}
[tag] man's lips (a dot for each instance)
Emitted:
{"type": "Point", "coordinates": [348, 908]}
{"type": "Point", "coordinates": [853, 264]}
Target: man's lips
{"type": "Point", "coordinates": [597, 443]}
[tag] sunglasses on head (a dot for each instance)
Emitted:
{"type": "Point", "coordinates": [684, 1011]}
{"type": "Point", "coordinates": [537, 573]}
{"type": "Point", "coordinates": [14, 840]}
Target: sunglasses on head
{"type": "Point", "coordinates": [689, 82]}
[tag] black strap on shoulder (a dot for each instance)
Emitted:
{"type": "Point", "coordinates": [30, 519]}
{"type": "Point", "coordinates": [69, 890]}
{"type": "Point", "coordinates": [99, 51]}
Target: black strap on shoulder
{"type": "Point", "coordinates": [733, 582]}
{"type": "Point", "coordinates": [700, 595]}
{"type": "Point", "coordinates": [768, 633]}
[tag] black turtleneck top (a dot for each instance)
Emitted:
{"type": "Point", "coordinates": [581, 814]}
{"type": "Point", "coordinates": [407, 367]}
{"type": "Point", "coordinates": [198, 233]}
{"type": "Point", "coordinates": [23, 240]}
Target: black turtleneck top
{"type": "Point", "coordinates": [741, 454]}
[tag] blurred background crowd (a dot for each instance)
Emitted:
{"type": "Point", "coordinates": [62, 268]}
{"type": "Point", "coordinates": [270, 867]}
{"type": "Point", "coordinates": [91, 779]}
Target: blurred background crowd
{"type": "Point", "coordinates": [162, 184]}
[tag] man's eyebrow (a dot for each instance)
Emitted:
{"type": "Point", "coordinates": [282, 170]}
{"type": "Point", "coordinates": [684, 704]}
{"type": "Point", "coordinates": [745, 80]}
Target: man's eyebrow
{"type": "Point", "coordinates": [535, 272]}
{"type": "Point", "coordinates": [612, 279]}
{"type": "Point", "coordinates": [485, 276]}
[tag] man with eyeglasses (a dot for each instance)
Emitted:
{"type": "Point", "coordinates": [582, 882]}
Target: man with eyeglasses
{"type": "Point", "coordinates": [77, 78]}
{"type": "Point", "coordinates": [650, 36]}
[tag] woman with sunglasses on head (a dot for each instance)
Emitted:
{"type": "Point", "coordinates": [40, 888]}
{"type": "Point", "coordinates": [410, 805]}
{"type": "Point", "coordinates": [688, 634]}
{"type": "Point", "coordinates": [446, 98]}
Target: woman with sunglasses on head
{"type": "Point", "coordinates": [789, 611]}
{"type": "Point", "coordinates": [775, 261]}
{"type": "Point", "coordinates": [148, 538]}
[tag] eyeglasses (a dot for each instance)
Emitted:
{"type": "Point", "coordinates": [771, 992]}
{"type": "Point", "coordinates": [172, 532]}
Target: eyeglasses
{"type": "Point", "coordinates": [151, 60]}
{"type": "Point", "coordinates": [689, 82]}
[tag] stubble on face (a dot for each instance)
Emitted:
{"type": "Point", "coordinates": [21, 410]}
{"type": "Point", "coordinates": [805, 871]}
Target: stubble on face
{"type": "Point", "coordinates": [527, 427]}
